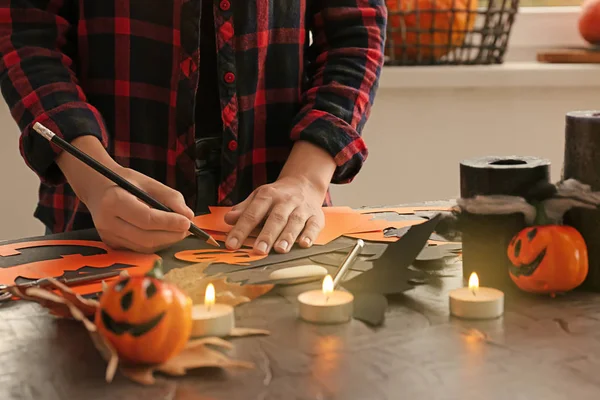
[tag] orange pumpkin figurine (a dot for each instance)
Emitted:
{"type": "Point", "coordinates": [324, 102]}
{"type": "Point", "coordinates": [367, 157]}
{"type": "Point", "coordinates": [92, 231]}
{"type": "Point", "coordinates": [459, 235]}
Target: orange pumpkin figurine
{"type": "Point", "coordinates": [146, 319]}
{"type": "Point", "coordinates": [548, 259]}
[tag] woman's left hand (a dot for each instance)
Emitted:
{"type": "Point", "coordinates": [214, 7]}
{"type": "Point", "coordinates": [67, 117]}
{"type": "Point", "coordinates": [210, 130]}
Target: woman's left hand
{"type": "Point", "coordinates": [291, 207]}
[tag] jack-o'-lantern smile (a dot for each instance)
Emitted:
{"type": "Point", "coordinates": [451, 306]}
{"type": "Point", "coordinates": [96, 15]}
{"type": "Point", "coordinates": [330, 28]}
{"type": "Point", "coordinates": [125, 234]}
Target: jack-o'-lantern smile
{"type": "Point", "coordinates": [529, 268]}
{"type": "Point", "coordinates": [135, 330]}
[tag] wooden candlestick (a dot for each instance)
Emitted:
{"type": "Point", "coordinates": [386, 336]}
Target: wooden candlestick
{"type": "Point", "coordinates": [326, 306]}
{"type": "Point", "coordinates": [476, 302]}
{"type": "Point", "coordinates": [211, 319]}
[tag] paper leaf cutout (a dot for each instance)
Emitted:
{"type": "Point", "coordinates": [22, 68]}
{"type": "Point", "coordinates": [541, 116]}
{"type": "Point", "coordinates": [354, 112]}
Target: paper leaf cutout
{"type": "Point", "coordinates": [239, 332]}
{"type": "Point", "coordinates": [234, 257]}
{"type": "Point", "coordinates": [71, 265]}
{"type": "Point", "coordinates": [196, 354]}
{"type": "Point", "coordinates": [193, 282]}
{"type": "Point", "coordinates": [59, 303]}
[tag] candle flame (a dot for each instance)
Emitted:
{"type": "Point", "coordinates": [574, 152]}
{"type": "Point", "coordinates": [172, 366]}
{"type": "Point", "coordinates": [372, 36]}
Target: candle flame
{"type": "Point", "coordinates": [473, 282]}
{"type": "Point", "coordinates": [209, 296]}
{"type": "Point", "coordinates": [328, 285]}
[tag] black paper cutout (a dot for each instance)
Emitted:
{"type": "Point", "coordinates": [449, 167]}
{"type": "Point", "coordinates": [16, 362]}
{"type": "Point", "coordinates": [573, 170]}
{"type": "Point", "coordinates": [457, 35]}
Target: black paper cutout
{"type": "Point", "coordinates": [370, 308]}
{"type": "Point", "coordinates": [390, 273]}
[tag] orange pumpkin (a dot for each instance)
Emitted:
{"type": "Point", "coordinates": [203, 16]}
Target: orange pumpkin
{"type": "Point", "coordinates": [548, 259]}
{"type": "Point", "coordinates": [146, 319]}
{"type": "Point", "coordinates": [416, 25]}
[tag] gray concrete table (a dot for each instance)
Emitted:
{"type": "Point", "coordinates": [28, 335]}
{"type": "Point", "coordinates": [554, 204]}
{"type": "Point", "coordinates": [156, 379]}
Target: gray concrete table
{"type": "Point", "coordinates": [542, 348]}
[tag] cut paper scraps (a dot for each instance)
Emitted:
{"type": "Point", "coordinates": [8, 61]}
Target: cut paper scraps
{"type": "Point", "coordinates": [25, 261]}
{"type": "Point", "coordinates": [234, 257]}
{"type": "Point", "coordinates": [339, 221]}
{"type": "Point", "coordinates": [402, 210]}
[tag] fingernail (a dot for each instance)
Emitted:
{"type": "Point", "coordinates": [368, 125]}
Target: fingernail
{"type": "Point", "coordinates": [283, 244]}
{"type": "Point", "coordinates": [232, 242]}
{"type": "Point", "coordinates": [262, 247]}
{"type": "Point", "coordinates": [306, 240]}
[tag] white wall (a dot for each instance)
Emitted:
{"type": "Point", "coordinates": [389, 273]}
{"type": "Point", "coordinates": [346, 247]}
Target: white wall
{"type": "Point", "coordinates": [19, 184]}
{"type": "Point", "coordinates": [417, 136]}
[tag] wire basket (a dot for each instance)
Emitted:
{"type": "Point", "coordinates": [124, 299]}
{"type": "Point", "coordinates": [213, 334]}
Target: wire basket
{"type": "Point", "coordinates": [455, 32]}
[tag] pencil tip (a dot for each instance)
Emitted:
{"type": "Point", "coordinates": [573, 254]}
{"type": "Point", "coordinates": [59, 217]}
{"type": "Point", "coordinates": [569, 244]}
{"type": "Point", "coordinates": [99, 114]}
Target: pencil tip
{"type": "Point", "coordinates": [213, 242]}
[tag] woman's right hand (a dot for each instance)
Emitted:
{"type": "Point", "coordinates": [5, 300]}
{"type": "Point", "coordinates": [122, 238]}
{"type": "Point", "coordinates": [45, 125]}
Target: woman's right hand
{"type": "Point", "coordinates": [121, 219]}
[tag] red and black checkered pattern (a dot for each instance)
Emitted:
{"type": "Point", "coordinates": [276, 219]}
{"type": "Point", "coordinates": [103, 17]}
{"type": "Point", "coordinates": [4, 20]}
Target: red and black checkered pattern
{"type": "Point", "coordinates": [126, 71]}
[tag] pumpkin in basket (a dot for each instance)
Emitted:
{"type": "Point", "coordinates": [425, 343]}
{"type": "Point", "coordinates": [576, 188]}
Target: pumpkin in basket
{"type": "Point", "coordinates": [416, 26]}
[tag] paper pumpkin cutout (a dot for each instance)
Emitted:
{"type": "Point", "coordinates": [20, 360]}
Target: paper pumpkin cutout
{"type": "Point", "coordinates": [234, 257]}
{"type": "Point", "coordinates": [71, 265]}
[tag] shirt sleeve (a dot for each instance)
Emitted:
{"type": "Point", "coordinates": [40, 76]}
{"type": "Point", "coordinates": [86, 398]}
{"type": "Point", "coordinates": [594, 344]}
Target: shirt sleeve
{"type": "Point", "coordinates": [38, 81]}
{"type": "Point", "coordinates": [344, 66]}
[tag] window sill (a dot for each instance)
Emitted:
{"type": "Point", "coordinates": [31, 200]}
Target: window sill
{"type": "Point", "coordinates": [502, 76]}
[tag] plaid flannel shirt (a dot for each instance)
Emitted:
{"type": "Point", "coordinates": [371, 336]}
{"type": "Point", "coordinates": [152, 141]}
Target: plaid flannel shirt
{"type": "Point", "coordinates": [126, 72]}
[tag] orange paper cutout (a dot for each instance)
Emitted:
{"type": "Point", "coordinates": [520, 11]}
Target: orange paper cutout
{"type": "Point", "coordinates": [132, 262]}
{"type": "Point", "coordinates": [339, 221]}
{"type": "Point", "coordinates": [214, 221]}
{"type": "Point", "coordinates": [234, 257]}
{"type": "Point", "coordinates": [379, 225]}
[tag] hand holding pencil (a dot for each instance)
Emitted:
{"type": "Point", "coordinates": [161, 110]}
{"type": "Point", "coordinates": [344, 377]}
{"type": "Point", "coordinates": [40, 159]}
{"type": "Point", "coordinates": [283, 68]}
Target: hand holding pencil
{"type": "Point", "coordinates": [130, 210]}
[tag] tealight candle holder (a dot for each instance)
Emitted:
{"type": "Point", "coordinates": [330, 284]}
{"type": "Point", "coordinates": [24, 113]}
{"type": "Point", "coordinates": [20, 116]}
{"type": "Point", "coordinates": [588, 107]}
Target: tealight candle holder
{"type": "Point", "coordinates": [210, 318]}
{"type": "Point", "coordinates": [476, 302]}
{"type": "Point", "coordinates": [326, 306]}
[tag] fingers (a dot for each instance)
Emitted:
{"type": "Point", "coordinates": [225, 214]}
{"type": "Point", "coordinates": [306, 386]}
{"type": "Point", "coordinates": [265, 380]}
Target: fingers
{"type": "Point", "coordinates": [233, 215]}
{"type": "Point", "coordinates": [127, 207]}
{"type": "Point", "coordinates": [168, 196]}
{"type": "Point", "coordinates": [276, 222]}
{"type": "Point", "coordinates": [249, 219]}
{"type": "Point", "coordinates": [311, 231]}
{"type": "Point", "coordinates": [289, 234]}
{"type": "Point", "coordinates": [136, 239]}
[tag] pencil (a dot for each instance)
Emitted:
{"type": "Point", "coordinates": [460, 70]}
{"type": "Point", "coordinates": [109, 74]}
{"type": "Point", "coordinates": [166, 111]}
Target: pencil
{"type": "Point", "coordinates": [116, 178]}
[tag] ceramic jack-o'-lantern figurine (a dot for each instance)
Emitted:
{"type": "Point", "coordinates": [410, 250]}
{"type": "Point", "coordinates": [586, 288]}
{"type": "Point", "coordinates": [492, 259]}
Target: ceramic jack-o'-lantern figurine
{"type": "Point", "coordinates": [146, 319]}
{"type": "Point", "coordinates": [546, 257]}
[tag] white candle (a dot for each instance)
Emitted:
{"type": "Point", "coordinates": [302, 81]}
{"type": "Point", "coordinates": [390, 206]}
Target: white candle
{"type": "Point", "coordinates": [476, 302]}
{"type": "Point", "coordinates": [211, 319]}
{"type": "Point", "coordinates": [326, 306]}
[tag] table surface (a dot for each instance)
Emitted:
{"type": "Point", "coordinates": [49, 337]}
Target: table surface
{"type": "Point", "coordinates": [542, 348]}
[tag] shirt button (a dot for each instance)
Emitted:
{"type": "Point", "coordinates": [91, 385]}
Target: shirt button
{"type": "Point", "coordinates": [225, 5]}
{"type": "Point", "coordinates": [229, 77]}
{"type": "Point", "coordinates": [232, 145]}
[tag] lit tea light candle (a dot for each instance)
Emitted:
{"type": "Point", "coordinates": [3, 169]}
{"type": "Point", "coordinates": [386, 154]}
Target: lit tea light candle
{"type": "Point", "coordinates": [326, 306]}
{"type": "Point", "coordinates": [210, 318]}
{"type": "Point", "coordinates": [475, 302]}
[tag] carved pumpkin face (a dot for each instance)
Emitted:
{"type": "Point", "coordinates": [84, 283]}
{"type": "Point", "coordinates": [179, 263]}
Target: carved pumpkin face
{"type": "Point", "coordinates": [146, 319]}
{"type": "Point", "coordinates": [548, 259]}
